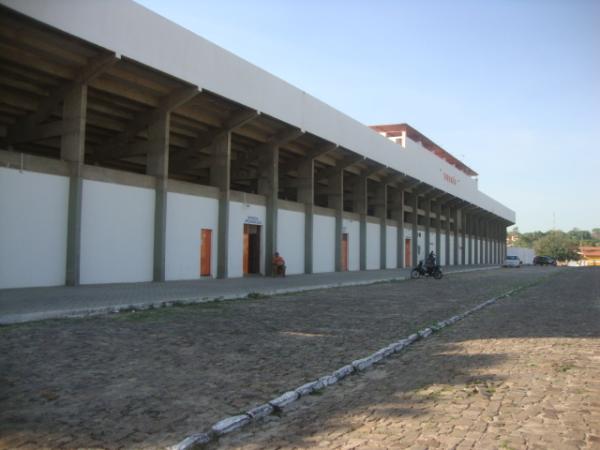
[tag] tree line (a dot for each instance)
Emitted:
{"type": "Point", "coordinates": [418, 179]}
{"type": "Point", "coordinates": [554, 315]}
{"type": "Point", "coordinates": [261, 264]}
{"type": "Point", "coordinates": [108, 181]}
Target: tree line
{"type": "Point", "coordinates": [560, 245]}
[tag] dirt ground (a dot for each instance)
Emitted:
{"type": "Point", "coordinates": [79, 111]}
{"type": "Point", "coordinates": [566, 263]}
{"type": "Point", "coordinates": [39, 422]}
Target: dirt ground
{"type": "Point", "coordinates": [521, 374]}
{"type": "Point", "coordinates": [148, 379]}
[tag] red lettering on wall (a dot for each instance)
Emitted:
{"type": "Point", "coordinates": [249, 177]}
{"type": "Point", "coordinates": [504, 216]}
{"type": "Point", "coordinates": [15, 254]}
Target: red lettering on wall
{"type": "Point", "coordinates": [449, 178]}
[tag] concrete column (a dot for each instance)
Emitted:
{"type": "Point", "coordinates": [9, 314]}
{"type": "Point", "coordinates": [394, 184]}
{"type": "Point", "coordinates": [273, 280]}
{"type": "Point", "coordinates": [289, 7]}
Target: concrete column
{"type": "Point", "coordinates": [398, 216]}
{"type": "Point", "coordinates": [72, 149]}
{"type": "Point", "coordinates": [381, 212]}
{"type": "Point", "coordinates": [471, 231]}
{"type": "Point", "coordinates": [335, 201]}
{"type": "Point", "coordinates": [306, 195]}
{"type": "Point", "coordinates": [438, 232]}
{"type": "Point", "coordinates": [456, 215]}
{"type": "Point", "coordinates": [427, 227]}
{"type": "Point", "coordinates": [465, 225]}
{"type": "Point", "coordinates": [415, 229]}
{"type": "Point", "coordinates": [268, 185]}
{"type": "Point", "coordinates": [360, 207]}
{"type": "Point", "coordinates": [220, 176]}
{"type": "Point", "coordinates": [157, 165]}
{"type": "Point", "coordinates": [448, 233]}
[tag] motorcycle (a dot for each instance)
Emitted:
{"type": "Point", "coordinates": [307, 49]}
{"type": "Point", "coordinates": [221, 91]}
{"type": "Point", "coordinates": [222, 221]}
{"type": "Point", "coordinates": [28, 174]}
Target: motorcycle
{"type": "Point", "coordinates": [422, 272]}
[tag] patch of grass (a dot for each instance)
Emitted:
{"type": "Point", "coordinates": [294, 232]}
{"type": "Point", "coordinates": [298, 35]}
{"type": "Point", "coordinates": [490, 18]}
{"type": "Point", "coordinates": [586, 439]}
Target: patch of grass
{"type": "Point", "coordinates": [565, 367]}
{"type": "Point", "coordinates": [256, 295]}
{"type": "Point", "coordinates": [504, 445]}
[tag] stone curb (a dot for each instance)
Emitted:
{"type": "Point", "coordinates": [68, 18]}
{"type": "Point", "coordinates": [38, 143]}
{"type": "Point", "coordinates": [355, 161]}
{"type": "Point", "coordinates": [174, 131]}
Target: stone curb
{"type": "Point", "coordinates": [11, 319]}
{"type": "Point", "coordinates": [277, 405]}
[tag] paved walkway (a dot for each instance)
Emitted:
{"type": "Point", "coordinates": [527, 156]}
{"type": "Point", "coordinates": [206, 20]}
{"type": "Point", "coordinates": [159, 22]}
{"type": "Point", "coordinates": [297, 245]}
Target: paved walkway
{"type": "Point", "coordinates": [523, 373]}
{"type": "Point", "coordinates": [23, 305]}
{"type": "Point", "coordinates": [147, 379]}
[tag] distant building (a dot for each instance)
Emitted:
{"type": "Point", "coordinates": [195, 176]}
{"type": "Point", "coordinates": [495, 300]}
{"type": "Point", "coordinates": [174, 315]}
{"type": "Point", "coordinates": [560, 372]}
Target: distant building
{"type": "Point", "coordinates": [590, 256]}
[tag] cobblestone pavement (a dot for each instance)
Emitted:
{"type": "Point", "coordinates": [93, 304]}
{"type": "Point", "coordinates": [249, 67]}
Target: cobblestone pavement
{"type": "Point", "coordinates": [521, 374]}
{"type": "Point", "coordinates": [148, 379]}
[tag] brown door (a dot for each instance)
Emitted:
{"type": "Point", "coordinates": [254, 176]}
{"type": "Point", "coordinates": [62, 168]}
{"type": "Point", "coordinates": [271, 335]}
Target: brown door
{"type": "Point", "coordinates": [345, 252]}
{"type": "Point", "coordinates": [246, 248]}
{"type": "Point", "coordinates": [205, 252]}
{"type": "Point", "coordinates": [251, 261]}
{"type": "Point", "coordinates": [407, 258]}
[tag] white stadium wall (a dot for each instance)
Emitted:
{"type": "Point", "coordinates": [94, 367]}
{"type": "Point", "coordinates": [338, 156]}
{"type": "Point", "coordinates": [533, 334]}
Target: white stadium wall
{"type": "Point", "coordinates": [373, 245]}
{"type": "Point", "coordinates": [33, 228]}
{"type": "Point", "coordinates": [290, 239]}
{"type": "Point", "coordinates": [239, 214]}
{"type": "Point", "coordinates": [323, 244]}
{"type": "Point", "coordinates": [352, 227]}
{"type": "Point", "coordinates": [391, 259]}
{"type": "Point", "coordinates": [187, 215]}
{"type": "Point", "coordinates": [117, 233]}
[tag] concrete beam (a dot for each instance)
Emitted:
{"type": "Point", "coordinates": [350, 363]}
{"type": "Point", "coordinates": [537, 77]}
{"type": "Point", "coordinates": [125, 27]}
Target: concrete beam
{"type": "Point", "coordinates": [117, 146]}
{"type": "Point", "coordinates": [187, 160]}
{"type": "Point", "coordinates": [26, 129]}
{"type": "Point", "coordinates": [340, 165]}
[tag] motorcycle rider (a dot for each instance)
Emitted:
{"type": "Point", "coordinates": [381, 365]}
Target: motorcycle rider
{"type": "Point", "coordinates": [430, 263]}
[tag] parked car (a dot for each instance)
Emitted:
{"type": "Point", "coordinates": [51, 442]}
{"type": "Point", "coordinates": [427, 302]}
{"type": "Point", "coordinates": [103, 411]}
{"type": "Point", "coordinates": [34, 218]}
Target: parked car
{"type": "Point", "coordinates": [512, 261]}
{"type": "Point", "coordinates": [544, 261]}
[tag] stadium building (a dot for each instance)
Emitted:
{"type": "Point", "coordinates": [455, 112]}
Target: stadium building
{"type": "Point", "coordinates": [134, 150]}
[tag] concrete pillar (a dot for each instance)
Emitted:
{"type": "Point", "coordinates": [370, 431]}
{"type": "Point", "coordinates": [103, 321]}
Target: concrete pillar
{"type": "Point", "coordinates": [381, 212]}
{"type": "Point", "coordinates": [157, 165]}
{"type": "Point", "coordinates": [398, 216]}
{"type": "Point", "coordinates": [427, 227]}
{"type": "Point", "coordinates": [456, 215]}
{"type": "Point", "coordinates": [465, 221]}
{"type": "Point", "coordinates": [335, 201]}
{"type": "Point", "coordinates": [471, 237]}
{"type": "Point", "coordinates": [415, 230]}
{"type": "Point", "coordinates": [72, 149]}
{"type": "Point", "coordinates": [220, 176]}
{"type": "Point", "coordinates": [438, 232]}
{"type": "Point", "coordinates": [306, 195]}
{"type": "Point", "coordinates": [449, 258]}
{"type": "Point", "coordinates": [268, 185]}
{"type": "Point", "coordinates": [360, 206]}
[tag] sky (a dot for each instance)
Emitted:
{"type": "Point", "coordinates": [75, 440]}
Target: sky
{"type": "Point", "coordinates": [510, 87]}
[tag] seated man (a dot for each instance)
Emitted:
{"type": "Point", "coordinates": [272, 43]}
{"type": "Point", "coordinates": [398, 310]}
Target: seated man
{"type": "Point", "coordinates": [278, 265]}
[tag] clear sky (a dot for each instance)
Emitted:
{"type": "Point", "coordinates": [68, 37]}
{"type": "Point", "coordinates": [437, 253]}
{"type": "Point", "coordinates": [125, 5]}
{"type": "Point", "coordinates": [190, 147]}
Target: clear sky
{"type": "Point", "coordinates": [510, 87]}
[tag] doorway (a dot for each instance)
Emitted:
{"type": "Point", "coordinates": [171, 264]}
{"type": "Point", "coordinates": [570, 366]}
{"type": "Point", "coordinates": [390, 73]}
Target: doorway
{"type": "Point", "coordinates": [251, 256]}
{"type": "Point", "coordinates": [407, 255]}
{"type": "Point", "coordinates": [345, 252]}
{"type": "Point", "coordinates": [205, 252]}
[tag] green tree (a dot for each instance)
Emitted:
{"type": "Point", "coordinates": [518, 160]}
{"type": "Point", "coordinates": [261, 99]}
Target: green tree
{"type": "Point", "coordinates": [558, 245]}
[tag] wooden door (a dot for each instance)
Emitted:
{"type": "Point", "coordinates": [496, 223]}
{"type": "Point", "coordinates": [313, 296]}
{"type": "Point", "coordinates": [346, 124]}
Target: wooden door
{"type": "Point", "coordinates": [205, 252]}
{"type": "Point", "coordinates": [407, 256]}
{"type": "Point", "coordinates": [345, 252]}
{"type": "Point", "coordinates": [246, 244]}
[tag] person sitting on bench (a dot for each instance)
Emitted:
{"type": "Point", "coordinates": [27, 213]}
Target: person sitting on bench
{"type": "Point", "coordinates": [278, 265]}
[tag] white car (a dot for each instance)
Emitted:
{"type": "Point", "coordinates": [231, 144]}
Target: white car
{"type": "Point", "coordinates": [512, 261]}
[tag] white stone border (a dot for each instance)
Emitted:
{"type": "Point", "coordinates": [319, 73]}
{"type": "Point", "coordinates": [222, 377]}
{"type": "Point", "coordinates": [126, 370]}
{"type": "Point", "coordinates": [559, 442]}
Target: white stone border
{"type": "Point", "coordinates": [276, 405]}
